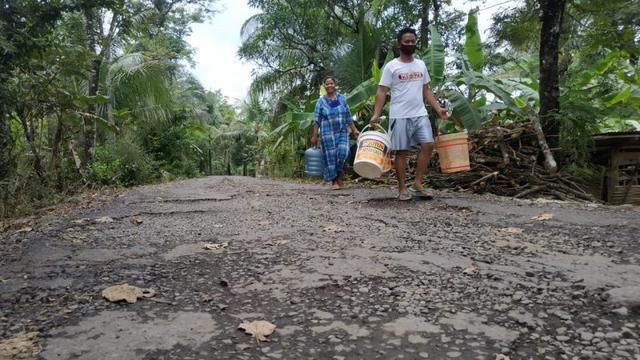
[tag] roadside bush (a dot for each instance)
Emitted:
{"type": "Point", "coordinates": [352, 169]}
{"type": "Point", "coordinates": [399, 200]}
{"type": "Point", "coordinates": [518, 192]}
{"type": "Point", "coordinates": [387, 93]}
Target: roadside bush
{"type": "Point", "coordinates": [122, 164]}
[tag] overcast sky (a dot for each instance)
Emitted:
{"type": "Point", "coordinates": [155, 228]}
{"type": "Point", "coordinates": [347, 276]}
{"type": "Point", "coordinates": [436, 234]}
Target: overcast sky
{"type": "Point", "coordinates": [216, 44]}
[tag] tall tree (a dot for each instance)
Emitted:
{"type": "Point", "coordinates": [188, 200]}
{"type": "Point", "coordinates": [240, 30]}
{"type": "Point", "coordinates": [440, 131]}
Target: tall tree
{"type": "Point", "coordinates": [552, 13]}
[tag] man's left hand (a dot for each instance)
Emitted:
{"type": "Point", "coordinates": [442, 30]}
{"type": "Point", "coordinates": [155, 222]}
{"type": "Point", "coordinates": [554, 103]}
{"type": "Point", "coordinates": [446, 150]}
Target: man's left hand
{"type": "Point", "coordinates": [443, 113]}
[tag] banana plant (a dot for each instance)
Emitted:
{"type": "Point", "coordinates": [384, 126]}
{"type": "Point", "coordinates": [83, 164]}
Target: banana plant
{"type": "Point", "coordinates": [469, 109]}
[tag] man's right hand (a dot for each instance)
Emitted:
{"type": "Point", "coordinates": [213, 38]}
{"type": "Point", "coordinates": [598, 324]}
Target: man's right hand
{"type": "Point", "coordinates": [373, 122]}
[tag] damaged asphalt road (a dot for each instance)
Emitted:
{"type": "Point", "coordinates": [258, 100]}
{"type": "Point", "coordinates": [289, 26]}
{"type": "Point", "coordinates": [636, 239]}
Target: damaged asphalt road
{"type": "Point", "coordinates": [349, 274]}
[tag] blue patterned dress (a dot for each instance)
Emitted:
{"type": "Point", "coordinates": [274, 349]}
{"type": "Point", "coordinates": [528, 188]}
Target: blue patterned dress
{"type": "Point", "coordinates": [333, 117]}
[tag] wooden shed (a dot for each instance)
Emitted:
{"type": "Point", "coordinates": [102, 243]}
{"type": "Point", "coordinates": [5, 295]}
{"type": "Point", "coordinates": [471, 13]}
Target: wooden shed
{"type": "Point", "coordinates": [620, 153]}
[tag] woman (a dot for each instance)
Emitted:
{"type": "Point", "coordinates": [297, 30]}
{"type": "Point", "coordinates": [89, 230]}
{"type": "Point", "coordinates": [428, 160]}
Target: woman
{"type": "Point", "coordinates": [332, 119]}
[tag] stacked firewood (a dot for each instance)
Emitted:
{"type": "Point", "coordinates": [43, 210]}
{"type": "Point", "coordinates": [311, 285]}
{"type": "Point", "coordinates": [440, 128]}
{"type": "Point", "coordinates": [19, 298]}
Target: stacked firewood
{"type": "Point", "coordinates": [506, 160]}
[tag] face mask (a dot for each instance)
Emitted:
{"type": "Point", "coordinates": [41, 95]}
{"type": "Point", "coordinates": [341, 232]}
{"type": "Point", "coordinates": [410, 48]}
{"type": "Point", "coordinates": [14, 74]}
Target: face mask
{"type": "Point", "coordinates": [408, 49]}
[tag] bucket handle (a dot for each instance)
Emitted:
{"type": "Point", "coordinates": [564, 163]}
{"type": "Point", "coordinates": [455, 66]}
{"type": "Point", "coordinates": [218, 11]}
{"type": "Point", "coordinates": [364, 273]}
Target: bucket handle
{"type": "Point", "coordinates": [368, 126]}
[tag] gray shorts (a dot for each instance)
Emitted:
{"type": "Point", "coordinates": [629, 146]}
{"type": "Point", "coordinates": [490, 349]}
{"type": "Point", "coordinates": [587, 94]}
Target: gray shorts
{"type": "Point", "coordinates": [407, 132]}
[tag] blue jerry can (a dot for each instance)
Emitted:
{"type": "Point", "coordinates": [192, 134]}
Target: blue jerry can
{"type": "Point", "coordinates": [313, 162]}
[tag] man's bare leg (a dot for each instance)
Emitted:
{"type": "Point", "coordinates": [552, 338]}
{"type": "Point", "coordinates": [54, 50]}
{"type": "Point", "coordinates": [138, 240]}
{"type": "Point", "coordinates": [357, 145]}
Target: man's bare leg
{"type": "Point", "coordinates": [401, 165]}
{"type": "Point", "coordinates": [424, 157]}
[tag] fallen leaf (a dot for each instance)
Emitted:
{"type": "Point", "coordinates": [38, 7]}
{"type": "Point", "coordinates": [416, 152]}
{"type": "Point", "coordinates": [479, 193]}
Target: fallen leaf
{"type": "Point", "coordinates": [542, 217]}
{"type": "Point", "coordinates": [333, 228]}
{"type": "Point", "coordinates": [281, 242]}
{"type": "Point", "coordinates": [513, 230]}
{"type": "Point", "coordinates": [82, 221]}
{"type": "Point", "coordinates": [25, 229]}
{"type": "Point", "coordinates": [22, 346]}
{"type": "Point", "coordinates": [218, 226]}
{"type": "Point", "coordinates": [419, 291]}
{"type": "Point", "coordinates": [502, 357]}
{"type": "Point", "coordinates": [216, 246]}
{"type": "Point", "coordinates": [259, 329]}
{"type": "Point", "coordinates": [104, 220]}
{"type": "Point", "coordinates": [471, 270]}
{"type": "Point", "coordinates": [127, 292]}
{"type": "Point", "coordinates": [136, 221]}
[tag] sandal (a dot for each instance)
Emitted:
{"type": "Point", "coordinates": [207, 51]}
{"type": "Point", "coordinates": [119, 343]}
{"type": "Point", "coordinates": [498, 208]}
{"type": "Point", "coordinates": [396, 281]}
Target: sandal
{"type": "Point", "coordinates": [423, 193]}
{"type": "Point", "coordinates": [404, 196]}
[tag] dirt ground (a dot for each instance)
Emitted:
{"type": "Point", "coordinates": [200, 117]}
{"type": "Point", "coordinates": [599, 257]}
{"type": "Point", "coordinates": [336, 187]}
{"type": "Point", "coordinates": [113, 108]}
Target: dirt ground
{"type": "Point", "coordinates": [349, 274]}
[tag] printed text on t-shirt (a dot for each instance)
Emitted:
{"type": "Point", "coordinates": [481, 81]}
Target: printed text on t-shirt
{"type": "Point", "coordinates": [411, 76]}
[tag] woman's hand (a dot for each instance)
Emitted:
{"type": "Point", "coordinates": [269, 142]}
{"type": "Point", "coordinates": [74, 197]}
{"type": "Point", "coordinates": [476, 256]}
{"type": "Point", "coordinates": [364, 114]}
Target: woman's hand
{"type": "Point", "coordinates": [314, 140]}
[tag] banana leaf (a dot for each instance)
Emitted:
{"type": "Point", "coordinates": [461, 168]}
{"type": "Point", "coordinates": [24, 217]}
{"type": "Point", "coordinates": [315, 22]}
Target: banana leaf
{"type": "Point", "coordinates": [480, 81]}
{"type": "Point", "coordinates": [468, 115]}
{"type": "Point", "coordinates": [621, 96]}
{"type": "Point", "coordinates": [310, 106]}
{"type": "Point", "coordinates": [434, 57]}
{"type": "Point", "coordinates": [303, 119]}
{"type": "Point", "coordinates": [473, 44]}
{"type": "Point", "coordinates": [358, 98]}
{"type": "Point", "coordinates": [376, 74]}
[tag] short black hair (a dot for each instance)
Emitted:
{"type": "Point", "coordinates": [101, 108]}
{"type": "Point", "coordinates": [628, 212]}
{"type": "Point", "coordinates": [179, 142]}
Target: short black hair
{"type": "Point", "coordinates": [406, 30]}
{"type": "Point", "coordinates": [329, 77]}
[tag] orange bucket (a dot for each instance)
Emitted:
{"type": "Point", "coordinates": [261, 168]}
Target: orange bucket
{"type": "Point", "coordinates": [453, 152]}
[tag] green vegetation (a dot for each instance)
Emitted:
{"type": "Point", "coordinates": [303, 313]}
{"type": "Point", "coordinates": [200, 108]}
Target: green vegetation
{"type": "Point", "coordinates": [97, 93]}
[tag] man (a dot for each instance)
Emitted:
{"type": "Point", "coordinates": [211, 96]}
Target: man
{"type": "Point", "coordinates": [408, 80]}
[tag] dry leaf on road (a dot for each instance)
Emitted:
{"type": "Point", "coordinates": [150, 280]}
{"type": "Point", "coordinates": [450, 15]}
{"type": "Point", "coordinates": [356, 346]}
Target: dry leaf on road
{"type": "Point", "coordinates": [512, 230]}
{"type": "Point", "coordinates": [82, 221]}
{"type": "Point", "coordinates": [136, 221]}
{"type": "Point", "coordinates": [333, 228]}
{"type": "Point", "coordinates": [104, 220]}
{"type": "Point", "coordinates": [127, 292]}
{"type": "Point", "coordinates": [502, 357]}
{"type": "Point", "coordinates": [23, 346]}
{"type": "Point", "coordinates": [471, 270]}
{"type": "Point", "coordinates": [214, 246]}
{"type": "Point", "coordinates": [259, 329]}
{"type": "Point", "coordinates": [24, 230]}
{"type": "Point", "coordinates": [542, 217]}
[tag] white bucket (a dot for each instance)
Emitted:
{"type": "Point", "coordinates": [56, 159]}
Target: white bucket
{"type": "Point", "coordinates": [372, 153]}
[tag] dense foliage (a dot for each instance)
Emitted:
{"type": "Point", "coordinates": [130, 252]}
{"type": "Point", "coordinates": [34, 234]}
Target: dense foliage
{"type": "Point", "coordinates": [96, 93]}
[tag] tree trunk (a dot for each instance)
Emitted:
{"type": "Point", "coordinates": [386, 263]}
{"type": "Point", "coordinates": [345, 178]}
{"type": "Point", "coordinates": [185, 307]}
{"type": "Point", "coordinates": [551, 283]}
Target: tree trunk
{"type": "Point", "coordinates": [5, 146]}
{"type": "Point", "coordinates": [424, 24]}
{"type": "Point", "coordinates": [29, 130]}
{"type": "Point", "coordinates": [5, 162]}
{"type": "Point", "coordinates": [436, 12]}
{"type": "Point", "coordinates": [549, 162]}
{"type": "Point", "coordinates": [94, 82]}
{"type": "Point", "coordinates": [6, 168]}
{"type": "Point", "coordinates": [56, 146]}
{"type": "Point", "coordinates": [551, 18]}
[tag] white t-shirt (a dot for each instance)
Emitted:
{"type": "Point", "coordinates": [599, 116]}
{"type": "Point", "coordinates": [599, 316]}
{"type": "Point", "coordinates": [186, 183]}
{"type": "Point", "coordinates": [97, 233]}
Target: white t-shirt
{"type": "Point", "coordinates": [406, 81]}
